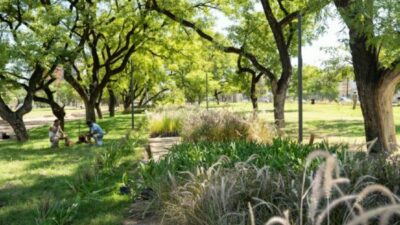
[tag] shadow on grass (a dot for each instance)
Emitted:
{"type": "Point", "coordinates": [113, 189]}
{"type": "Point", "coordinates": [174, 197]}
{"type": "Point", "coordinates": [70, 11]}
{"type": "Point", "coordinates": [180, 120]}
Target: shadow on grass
{"type": "Point", "coordinates": [32, 172]}
{"type": "Point", "coordinates": [339, 128]}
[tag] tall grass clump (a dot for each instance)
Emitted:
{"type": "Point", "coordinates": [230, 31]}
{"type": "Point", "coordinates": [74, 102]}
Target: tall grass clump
{"type": "Point", "coordinates": [222, 126]}
{"type": "Point", "coordinates": [247, 189]}
{"type": "Point", "coordinates": [165, 124]}
{"type": "Point", "coordinates": [56, 212]}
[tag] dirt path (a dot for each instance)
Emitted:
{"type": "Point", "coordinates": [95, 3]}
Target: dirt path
{"type": "Point", "coordinates": [38, 121]}
{"type": "Point", "coordinates": [138, 215]}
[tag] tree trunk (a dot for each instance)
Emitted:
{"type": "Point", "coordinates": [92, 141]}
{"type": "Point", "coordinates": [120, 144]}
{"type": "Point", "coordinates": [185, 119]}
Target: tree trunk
{"type": "Point", "coordinates": [253, 95]}
{"type": "Point", "coordinates": [59, 112]}
{"type": "Point", "coordinates": [15, 119]}
{"type": "Point", "coordinates": [111, 102]}
{"type": "Point", "coordinates": [279, 108]}
{"type": "Point", "coordinates": [18, 125]}
{"type": "Point", "coordinates": [216, 95]}
{"type": "Point", "coordinates": [376, 106]}
{"type": "Point", "coordinates": [126, 101]}
{"type": "Point", "coordinates": [376, 88]}
{"type": "Point", "coordinates": [98, 110]}
{"type": "Point", "coordinates": [90, 111]}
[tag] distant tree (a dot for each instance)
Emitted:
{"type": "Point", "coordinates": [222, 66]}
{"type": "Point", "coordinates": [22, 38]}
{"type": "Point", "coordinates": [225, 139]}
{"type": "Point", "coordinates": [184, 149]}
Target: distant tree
{"type": "Point", "coordinates": [317, 83]}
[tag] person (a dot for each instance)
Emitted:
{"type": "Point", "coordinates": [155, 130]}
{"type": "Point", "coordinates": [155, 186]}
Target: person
{"type": "Point", "coordinates": [355, 99]}
{"type": "Point", "coordinates": [56, 134]}
{"type": "Point", "coordinates": [95, 132]}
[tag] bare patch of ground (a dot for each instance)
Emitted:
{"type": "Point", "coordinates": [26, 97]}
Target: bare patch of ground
{"type": "Point", "coordinates": [139, 214]}
{"type": "Point", "coordinates": [38, 121]}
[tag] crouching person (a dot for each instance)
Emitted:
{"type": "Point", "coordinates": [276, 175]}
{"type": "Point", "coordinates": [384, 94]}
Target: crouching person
{"type": "Point", "coordinates": [95, 132]}
{"type": "Point", "coordinates": [56, 134]}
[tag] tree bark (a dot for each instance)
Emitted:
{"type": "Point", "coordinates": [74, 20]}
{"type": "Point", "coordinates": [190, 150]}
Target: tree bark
{"type": "Point", "coordinates": [127, 103]}
{"type": "Point", "coordinates": [376, 105]}
{"type": "Point", "coordinates": [375, 84]}
{"type": "Point", "coordinates": [58, 111]}
{"type": "Point", "coordinates": [15, 119]}
{"type": "Point", "coordinates": [90, 111]}
{"type": "Point", "coordinates": [111, 102]}
{"type": "Point", "coordinates": [216, 95]}
{"type": "Point", "coordinates": [253, 95]}
{"type": "Point", "coordinates": [19, 128]}
{"type": "Point", "coordinates": [279, 108]}
{"type": "Point", "coordinates": [98, 111]}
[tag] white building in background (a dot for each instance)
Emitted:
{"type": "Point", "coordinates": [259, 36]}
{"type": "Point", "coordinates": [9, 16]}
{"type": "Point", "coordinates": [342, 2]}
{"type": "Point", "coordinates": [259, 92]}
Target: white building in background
{"type": "Point", "coordinates": [396, 97]}
{"type": "Point", "coordinates": [347, 88]}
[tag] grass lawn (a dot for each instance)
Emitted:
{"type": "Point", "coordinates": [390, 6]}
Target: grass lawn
{"type": "Point", "coordinates": [334, 122]}
{"type": "Point", "coordinates": [32, 172]}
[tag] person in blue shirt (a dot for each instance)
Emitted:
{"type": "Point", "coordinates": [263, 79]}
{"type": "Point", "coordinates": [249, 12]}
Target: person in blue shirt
{"type": "Point", "coordinates": [95, 132]}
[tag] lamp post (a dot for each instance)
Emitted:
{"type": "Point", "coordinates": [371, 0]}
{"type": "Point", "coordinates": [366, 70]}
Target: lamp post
{"type": "Point", "coordinates": [207, 90]}
{"type": "Point", "coordinates": [300, 79]}
{"type": "Point", "coordinates": [133, 98]}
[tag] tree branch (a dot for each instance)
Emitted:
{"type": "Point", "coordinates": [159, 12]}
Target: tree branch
{"type": "Point", "coordinates": [228, 49]}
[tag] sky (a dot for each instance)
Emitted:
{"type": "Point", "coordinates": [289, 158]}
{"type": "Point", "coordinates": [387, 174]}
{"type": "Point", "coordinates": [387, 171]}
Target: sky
{"type": "Point", "coordinates": [313, 53]}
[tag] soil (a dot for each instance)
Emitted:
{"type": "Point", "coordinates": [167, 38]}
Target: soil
{"type": "Point", "coordinates": [138, 214]}
{"type": "Point", "coordinates": [37, 122]}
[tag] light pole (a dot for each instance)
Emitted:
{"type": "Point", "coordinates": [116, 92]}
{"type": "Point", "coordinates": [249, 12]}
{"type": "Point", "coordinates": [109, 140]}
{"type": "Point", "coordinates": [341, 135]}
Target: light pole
{"type": "Point", "coordinates": [133, 98]}
{"type": "Point", "coordinates": [300, 79]}
{"type": "Point", "coordinates": [207, 90]}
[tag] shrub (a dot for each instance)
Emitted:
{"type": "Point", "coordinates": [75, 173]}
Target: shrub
{"type": "Point", "coordinates": [195, 125]}
{"type": "Point", "coordinates": [279, 155]}
{"type": "Point", "coordinates": [225, 126]}
{"type": "Point", "coordinates": [165, 124]}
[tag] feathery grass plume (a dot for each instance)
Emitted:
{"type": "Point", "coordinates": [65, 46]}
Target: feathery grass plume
{"type": "Point", "coordinates": [321, 217]}
{"type": "Point", "coordinates": [251, 214]}
{"type": "Point", "coordinates": [279, 220]}
{"type": "Point", "coordinates": [375, 188]}
{"type": "Point", "coordinates": [316, 194]}
{"type": "Point", "coordinates": [371, 144]}
{"type": "Point", "coordinates": [386, 210]}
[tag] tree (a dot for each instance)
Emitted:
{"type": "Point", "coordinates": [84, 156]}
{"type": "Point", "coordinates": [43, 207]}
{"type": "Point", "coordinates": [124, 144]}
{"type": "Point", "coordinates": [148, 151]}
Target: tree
{"type": "Point", "coordinates": [112, 31]}
{"type": "Point", "coordinates": [374, 42]}
{"type": "Point", "coordinates": [33, 49]}
{"type": "Point", "coordinates": [192, 61]}
{"type": "Point", "coordinates": [283, 31]}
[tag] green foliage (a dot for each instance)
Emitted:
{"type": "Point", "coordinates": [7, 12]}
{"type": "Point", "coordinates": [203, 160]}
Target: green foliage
{"type": "Point", "coordinates": [165, 124]}
{"type": "Point", "coordinates": [53, 212]}
{"type": "Point", "coordinates": [75, 174]}
{"type": "Point", "coordinates": [319, 84]}
{"type": "Point", "coordinates": [280, 155]}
